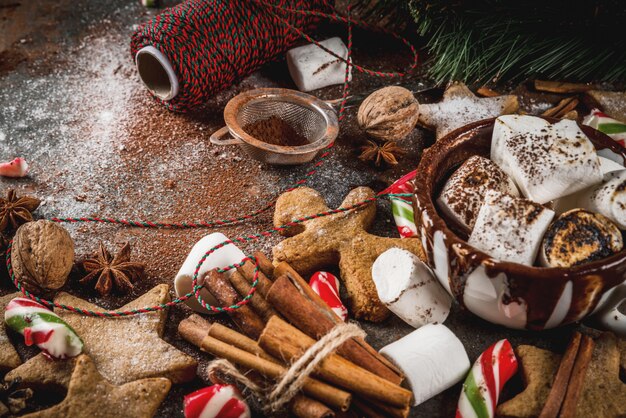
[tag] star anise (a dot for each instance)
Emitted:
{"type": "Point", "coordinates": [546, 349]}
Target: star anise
{"type": "Point", "coordinates": [15, 211]}
{"type": "Point", "coordinates": [387, 152]}
{"type": "Point", "coordinates": [112, 272]}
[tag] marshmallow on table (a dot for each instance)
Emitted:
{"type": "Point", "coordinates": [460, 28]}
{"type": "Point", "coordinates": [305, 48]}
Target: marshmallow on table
{"type": "Point", "coordinates": [577, 237]}
{"type": "Point", "coordinates": [510, 228]}
{"type": "Point", "coordinates": [222, 257]}
{"type": "Point", "coordinates": [432, 358]}
{"type": "Point", "coordinates": [546, 160]}
{"type": "Point", "coordinates": [313, 68]}
{"type": "Point", "coordinates": [464, 192]}
{"type": "Point", "coordinates": [409, 289]}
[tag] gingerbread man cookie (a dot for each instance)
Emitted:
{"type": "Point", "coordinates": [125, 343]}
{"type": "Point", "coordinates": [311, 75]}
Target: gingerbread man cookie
{"type": "Point", "coordinates": [337, 239]}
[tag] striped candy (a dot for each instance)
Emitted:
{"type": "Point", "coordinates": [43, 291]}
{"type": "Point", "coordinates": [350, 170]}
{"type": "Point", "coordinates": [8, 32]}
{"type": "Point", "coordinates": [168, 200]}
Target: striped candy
{"type": "Point", "coordinates": [485, 381]}
{"type": "Point", "coordinates": [612, 127]}
{"type": "Point", "coordinates": [42, 327]}
{"type": "Point", "coordinates": [326, 286]}
{"type": "Point", "coordinates": [217, 401]}
{"type": "Point", "coordinates": [402, 207]}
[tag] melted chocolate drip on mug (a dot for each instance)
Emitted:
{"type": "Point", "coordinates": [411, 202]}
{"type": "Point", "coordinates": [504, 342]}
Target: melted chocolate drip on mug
{"type": "Point", "coordinates": [540, 288]}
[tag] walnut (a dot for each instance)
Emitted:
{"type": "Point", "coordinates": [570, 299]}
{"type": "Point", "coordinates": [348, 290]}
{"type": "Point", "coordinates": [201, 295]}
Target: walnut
{"type": "Point", "coordinates": [389, 114]}
{"type": "Point", "coordinates": [42, 255]}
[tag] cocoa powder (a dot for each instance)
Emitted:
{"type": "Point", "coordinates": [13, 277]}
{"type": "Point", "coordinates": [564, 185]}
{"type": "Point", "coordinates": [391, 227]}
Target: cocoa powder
{"type": "Point", "coordinates": [275, 131]}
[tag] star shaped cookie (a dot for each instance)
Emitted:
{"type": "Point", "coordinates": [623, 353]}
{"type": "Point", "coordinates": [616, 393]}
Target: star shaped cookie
{"type": "Point", "coordinates": [123, 349]}
{"type": "Point", "coordinates": [603, 393]}
{"type": "Point", "coordinates": [538, 368]}
{"type": "Point", "coordinates": [613, 102]}
{"type": "Point", "coordinates": [460, 106]}
{"type": "Point", "coordinates": [90, 395]}
{"type": "Point", "coordinates": [9, 359]}
{"type": "Point", "coordinates": [337, 239]}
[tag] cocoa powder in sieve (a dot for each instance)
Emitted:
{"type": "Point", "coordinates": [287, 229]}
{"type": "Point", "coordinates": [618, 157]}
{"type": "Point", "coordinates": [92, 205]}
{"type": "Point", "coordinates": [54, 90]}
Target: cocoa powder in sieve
{"type": "Point", "coordinates": [275, 131]}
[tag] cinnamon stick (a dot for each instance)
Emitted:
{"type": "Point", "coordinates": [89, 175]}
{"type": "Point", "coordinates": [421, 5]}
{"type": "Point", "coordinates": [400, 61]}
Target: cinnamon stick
{"type": "Point", "coordinates": [375, 356]}
{"type": "Point", "coordinates": [487, 92]}
{"type": "Point", "coordinates": [264, 284]}
{"type": "Point", "coordinates": [301, 406]}
{"type": "Point", "coordinates": [311, 320]}
{"type": "Point", "coordinates": [559, 386]}
{"type": "Point", "coordinates": [305, 289]}
{"type": "Point", "coordinates": [265, 264]}
{"type": "Point", "coordinates": [238, 340]}
{"type": "Point", "coordinates": [245, 318]}
{"type": "Point", "coordinates": [561, 87]}
{"type": "Point", "coordinates": [564, 107]}
{"type": "Point", "coordinates": [257, 301]}
{"type": "Point", "coordinates": [288, 343]}
{"type": "Point", "coordinates": [329, 395]}
{"type": "Point", "coordinates": [575, 386]}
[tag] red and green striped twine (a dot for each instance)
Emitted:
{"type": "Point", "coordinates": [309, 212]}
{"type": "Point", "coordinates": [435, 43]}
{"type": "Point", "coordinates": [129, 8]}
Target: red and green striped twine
{"type": "Point", "coordinates": [196, 286]}
{"type": "Point", "coordinates": [195, 282]}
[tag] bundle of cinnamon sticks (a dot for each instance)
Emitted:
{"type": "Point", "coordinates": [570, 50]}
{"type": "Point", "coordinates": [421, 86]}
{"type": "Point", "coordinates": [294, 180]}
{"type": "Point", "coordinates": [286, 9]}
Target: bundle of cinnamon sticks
{"type": "Point", "coordinates": [284, 318]}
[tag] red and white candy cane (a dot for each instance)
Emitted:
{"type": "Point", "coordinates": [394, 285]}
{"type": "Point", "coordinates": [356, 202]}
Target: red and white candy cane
{"type": "Point", "coordinates": [326, 286]}
{"type": "Point", "coordinates": [217, 401]}
{"type": "Point", "coordinates": [40, 326]}
{"type": "Point", "coordinates": [485, 381]}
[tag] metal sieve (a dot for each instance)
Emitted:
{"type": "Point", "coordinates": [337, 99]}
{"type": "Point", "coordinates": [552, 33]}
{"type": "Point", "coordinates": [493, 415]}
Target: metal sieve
{"type": "Point", "coordinates": [308, 116]}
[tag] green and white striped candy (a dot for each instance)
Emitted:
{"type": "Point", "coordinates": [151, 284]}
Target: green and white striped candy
{"type": "Point", "coordinates": [42, 327]}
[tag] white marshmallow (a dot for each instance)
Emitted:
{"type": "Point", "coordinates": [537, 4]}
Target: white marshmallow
{"type": "Point", "coordinates": [312, 68]}
{"type": "Point", "coordinates": [573, 201]}
{"type": "Point", "coordinates": [608, 166]}
{"type": "Point", "coordinates": [464, 192]}
{"type": "Point", "coordinates": [608, 198]}
{"type": "Point", "coordinates": [510, 228]}
{"type": "Point", "coordinates": [432, 358]}
{"type": "Point", "coordinates": [409, 289]}
{"type": "Point", "coordinates": [228, 254]}
{"type": "Point", "coordinates": [546, 160]}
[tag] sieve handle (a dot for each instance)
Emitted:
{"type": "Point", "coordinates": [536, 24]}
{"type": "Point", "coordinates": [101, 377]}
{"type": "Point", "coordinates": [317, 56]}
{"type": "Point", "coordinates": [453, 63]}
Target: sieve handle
{"type": "Point", "coordinates": [219, 137]}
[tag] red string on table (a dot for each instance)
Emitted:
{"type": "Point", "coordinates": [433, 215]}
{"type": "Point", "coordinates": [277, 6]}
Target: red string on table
{"type": "Point", "coordinates": [160, 28]}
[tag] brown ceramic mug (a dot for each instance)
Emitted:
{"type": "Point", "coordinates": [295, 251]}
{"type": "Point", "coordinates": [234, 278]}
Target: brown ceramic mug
{"type": "Point", "coordinates": [511, 294]}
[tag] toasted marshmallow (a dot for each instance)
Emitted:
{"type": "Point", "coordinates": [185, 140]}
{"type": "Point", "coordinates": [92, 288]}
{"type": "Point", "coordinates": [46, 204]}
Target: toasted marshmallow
{"type": "Point", "coordinates": [464, 192]}
{"type": "Point", "coordinates": [607, 198]}
{"type": "Point", "coordinates": [546, 160]}
{"type": "Point", "coordinates": [577, 237]}
{"type": "Point", "coordinates": [510, 228]}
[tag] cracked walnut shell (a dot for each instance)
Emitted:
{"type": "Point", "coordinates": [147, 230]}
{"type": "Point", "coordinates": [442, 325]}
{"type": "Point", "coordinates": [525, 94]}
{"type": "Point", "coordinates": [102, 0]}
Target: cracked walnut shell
{"type": "Point", "coordinates": [42, 255]}
{"type": "Point", "coordinates": [389, 114]}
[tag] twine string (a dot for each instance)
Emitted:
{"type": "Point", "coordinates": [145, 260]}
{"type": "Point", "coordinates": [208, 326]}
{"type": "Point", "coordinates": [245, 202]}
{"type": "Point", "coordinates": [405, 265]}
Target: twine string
{"type": "Point", "coordinates": [143, 36]}
{"type": "Point", "coordinates": [294, 378]}
{"type": "Point", "coordinates": [196, 287]}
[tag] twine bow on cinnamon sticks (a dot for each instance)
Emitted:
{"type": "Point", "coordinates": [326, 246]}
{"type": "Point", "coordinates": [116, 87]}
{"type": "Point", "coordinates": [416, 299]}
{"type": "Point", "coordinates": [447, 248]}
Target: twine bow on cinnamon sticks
{"type": "Point", "coordinates": [318, 363]}
{"type": "Point", "coordinates": [296, 376]}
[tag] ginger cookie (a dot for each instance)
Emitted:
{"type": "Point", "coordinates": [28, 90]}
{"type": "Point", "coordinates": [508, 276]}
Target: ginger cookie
{"type": "Point", "coordinates": [613, 103]}
{"type": "Point", "coordinates": [123, 349]}
{"type": "Point", "coordinates": [9, 359]}
{"type": "Point", "coordinates": [460, 106]}
{"type": "Point", "coordinates": [603, 394]}
{"type": "Point", "coordinates": [90, 395]}
{"type": "Point", "coordinates": [538, 369]}
{"type": "Point", "coordinates": [337, 239]}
